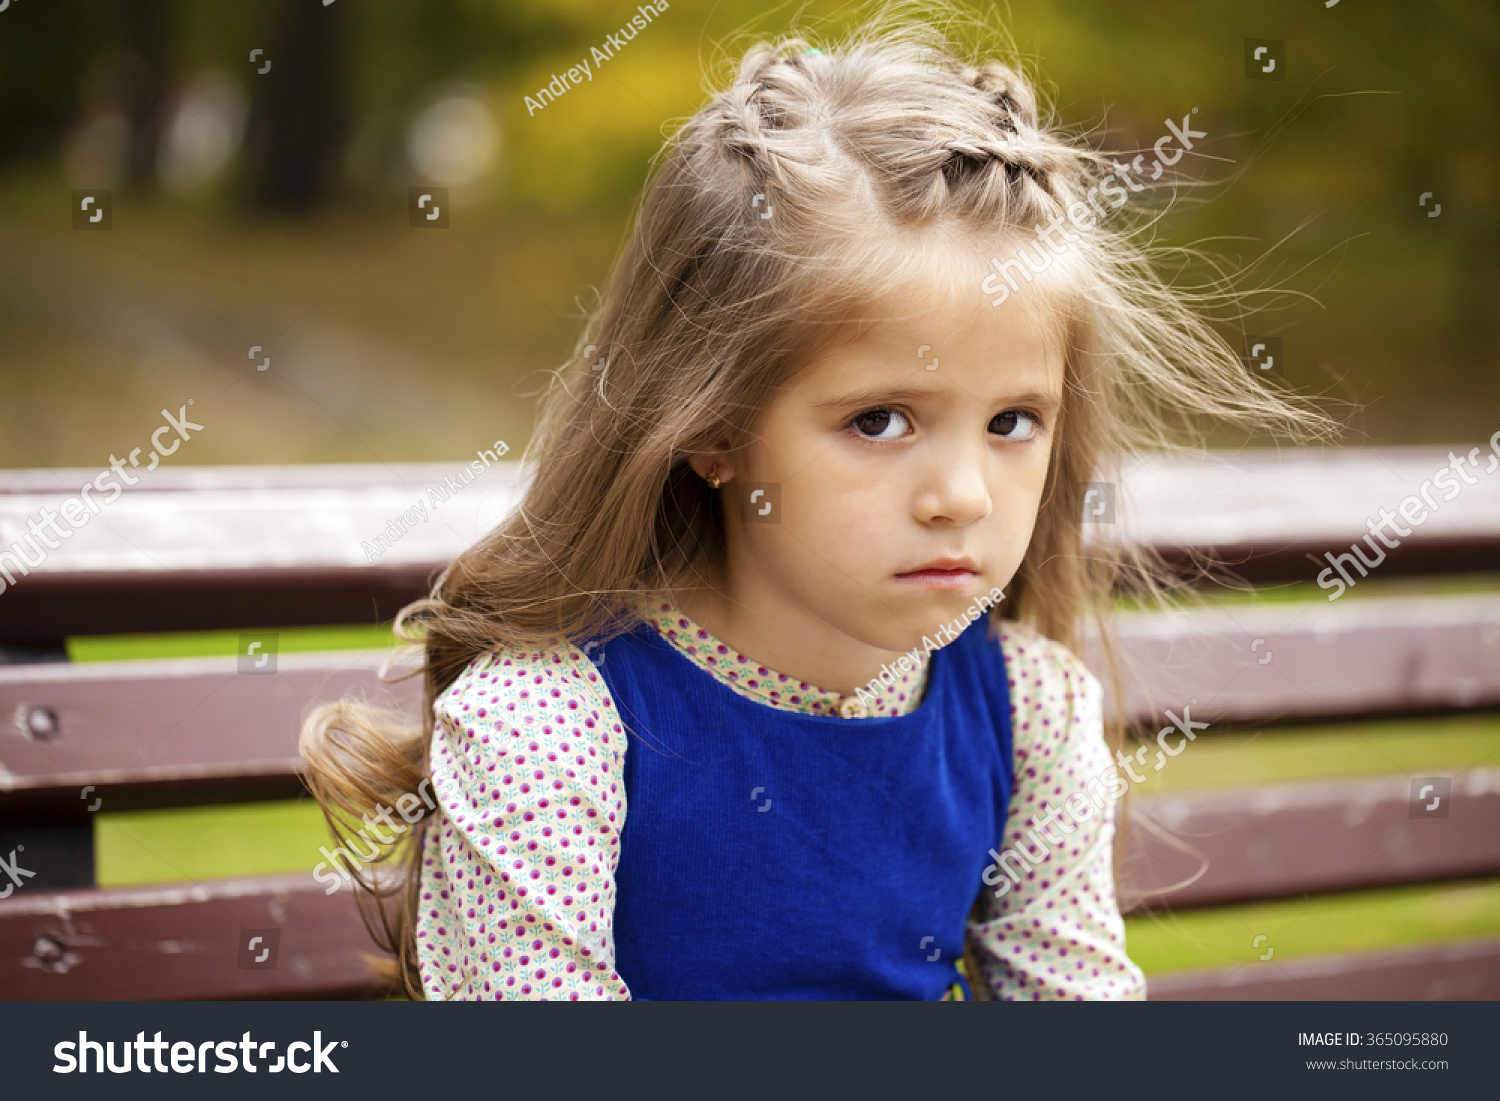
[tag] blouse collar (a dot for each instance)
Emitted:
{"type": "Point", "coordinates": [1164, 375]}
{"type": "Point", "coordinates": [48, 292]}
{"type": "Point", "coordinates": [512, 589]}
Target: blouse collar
{"type": "Point", "coordinates": [755, 681]}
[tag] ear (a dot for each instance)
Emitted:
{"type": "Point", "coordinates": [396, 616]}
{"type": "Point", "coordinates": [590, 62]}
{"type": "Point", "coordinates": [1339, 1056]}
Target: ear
{"type": "Point", "coordinates": [704, 461]}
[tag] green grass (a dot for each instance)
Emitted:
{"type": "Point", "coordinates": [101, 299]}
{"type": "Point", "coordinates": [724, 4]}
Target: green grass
{"type": "Point", "coordinates": [1239, 758]}
{"type": "Point", "coordinates": [163, 846]}
{"type": "Point", "coordinates": [205, 644]}
{"type": "Point", "coordinates": [1353, 921]}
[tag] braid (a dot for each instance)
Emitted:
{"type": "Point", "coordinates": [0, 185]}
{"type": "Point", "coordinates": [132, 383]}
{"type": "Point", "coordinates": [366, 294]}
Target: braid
{"type": "Point", "coordinates": [750, 107]}
{"type": "Point", "coordinates": [1003, 87]}
{"type": "Point", "coordinates": [741, 122]}
{"type": "Point", "coordinates": [1006, 151]}
{"type": "Point", "coordinates": [1020, 142]}
{"type": "Point", "coordinates": [806, 126]}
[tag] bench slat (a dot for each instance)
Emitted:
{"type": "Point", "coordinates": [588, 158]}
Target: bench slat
{"type": "Point", "coordinates": [43, 610]}
{"type": "Point", "coordinates": [1262, 663]}
{"type": "Point", "coordinates": [1465, 971]}
{"type": "Point", "coordinates": [159, 733]}
{"type": "Point", "coordinates": [1287, 839]}
{"type": "Point", "coordinates": [1268, 510]}
{"type": "Point", "coordinates": [184, 941]}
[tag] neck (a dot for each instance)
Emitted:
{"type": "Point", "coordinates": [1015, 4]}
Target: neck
{"type": "Point", "coordinates": [786, 639]}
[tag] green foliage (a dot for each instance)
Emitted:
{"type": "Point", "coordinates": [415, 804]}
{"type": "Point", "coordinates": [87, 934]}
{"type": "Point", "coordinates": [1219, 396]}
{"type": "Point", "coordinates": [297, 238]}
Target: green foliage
{"type": "Point", "coordinates": [1248, 758]}
{"type": "Point", "coordinates": [1313, 180]}
{"type": "Point", "coordinates": [183, 843]}
{"type": "Point", "coordinates": [207, 644]}
{"type": "Point", "coordinates": [1315, 925]}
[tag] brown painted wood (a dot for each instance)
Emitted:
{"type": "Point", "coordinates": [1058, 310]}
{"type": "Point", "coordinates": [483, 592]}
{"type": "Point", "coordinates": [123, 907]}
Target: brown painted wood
{"type": "Point", "coordinates": [1350, 657]}
{"type": "Point", "coordinates": [1263, 511]}
{"type": "Point", "coordinates": [1287, 839]}
{"type": "Point", "coordinates": [169, 552]}
{"type": "Point", "coordinates": [152, 733]}
{"type": "Point", "coordinates": [251, 547]}
{"type": "Point", "coordinates": [185, 941]}
{"type": "Point", "coordinates": [202, 548]}
{"type": "Point", "coordinates": [1462, 971]}
{"type": "Point", "coordinates": [269, 476]}
{"type": "Point", "coordinates": [155, 733]}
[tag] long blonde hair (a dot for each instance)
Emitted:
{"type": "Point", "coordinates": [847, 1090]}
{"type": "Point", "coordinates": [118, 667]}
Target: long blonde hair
{"type": "Point", "coordinates": [711, 304]}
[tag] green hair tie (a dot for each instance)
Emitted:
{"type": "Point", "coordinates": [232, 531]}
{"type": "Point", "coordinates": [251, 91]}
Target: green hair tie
{"type": "Point", "coordinates": [814, 50]}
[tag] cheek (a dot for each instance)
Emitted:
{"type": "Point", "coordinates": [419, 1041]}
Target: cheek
{"type": "Point", "coordinates": [831, 528]}
{"type": "Point", "coordinates": [820, 486]}
{"type": "Point", "coordinates": [1030, 481]}
{"type": "Point", "coordinates": [841, 521]}
{"type": "Point", "coordinates": [1017, 499]}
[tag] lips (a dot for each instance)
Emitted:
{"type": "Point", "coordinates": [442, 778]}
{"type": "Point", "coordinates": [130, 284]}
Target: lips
{"type": "Point", "coordinates": [941, 567]}
{"type": "Point", "coordinates": [957, 574]}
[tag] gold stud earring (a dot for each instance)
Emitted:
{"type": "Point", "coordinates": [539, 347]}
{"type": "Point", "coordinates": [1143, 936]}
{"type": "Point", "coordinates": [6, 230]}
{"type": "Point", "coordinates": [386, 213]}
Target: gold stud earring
{"type": "Point", "coordinates": [713, 477]}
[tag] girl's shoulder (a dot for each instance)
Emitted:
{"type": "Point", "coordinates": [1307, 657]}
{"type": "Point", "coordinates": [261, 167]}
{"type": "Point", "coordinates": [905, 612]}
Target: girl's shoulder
{"type": "Point", "coordinates": [1023, 644]}
{"type": "Point", "coordinates": [545, 678]}
{"type": "Point", "coordinates": [1047, 680]}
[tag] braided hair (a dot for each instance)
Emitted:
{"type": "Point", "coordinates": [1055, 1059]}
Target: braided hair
{"type": "Point", "coordinates": [929, 134]}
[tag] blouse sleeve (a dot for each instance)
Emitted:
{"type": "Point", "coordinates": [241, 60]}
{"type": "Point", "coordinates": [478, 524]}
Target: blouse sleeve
{"type": "Point", "coordinates": [1054, 931]}
{"type": "Point", "coordinates": [517, 892]}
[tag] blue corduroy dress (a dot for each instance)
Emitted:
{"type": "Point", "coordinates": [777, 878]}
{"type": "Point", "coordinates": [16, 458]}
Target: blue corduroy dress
{"type": "Point", "coordinates": [769, 854]}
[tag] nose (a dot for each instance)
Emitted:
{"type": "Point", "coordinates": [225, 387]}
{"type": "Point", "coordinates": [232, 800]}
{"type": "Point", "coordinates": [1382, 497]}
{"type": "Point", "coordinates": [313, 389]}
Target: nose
{"type": "Point", "coordinates": [954, 487]}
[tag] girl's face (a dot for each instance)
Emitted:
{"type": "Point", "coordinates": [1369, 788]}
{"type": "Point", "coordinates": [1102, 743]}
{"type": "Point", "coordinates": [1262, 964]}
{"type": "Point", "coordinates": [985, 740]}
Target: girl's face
{"type": "Point", "coordinates": [922, 442]}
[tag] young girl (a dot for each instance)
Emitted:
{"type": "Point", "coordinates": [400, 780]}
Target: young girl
{"type": "Point", "coordinates": [746, 697]}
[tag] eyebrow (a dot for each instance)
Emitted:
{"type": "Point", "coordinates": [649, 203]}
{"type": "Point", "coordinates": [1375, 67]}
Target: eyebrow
{"type": "Point", "coordinates": [874, 395]}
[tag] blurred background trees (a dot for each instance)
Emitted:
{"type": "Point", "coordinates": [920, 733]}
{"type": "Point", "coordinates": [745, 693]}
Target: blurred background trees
{"type": "Point", "coordinates": [259, 155]}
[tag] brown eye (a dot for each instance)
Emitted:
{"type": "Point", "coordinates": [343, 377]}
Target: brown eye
{"type": "Point", "coordinates": [877, 424]}
{"type": "Point", "coordinates": [1014, 424]}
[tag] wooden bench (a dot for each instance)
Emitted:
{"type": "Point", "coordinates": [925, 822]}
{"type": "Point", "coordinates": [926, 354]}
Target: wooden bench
{"type": "Point", "coordinates": [256, 549]}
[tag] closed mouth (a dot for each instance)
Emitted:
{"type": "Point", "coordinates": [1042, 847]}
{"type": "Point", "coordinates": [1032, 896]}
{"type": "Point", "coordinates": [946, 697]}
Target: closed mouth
{"type": "Point", "coordinates": [943, 567]}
